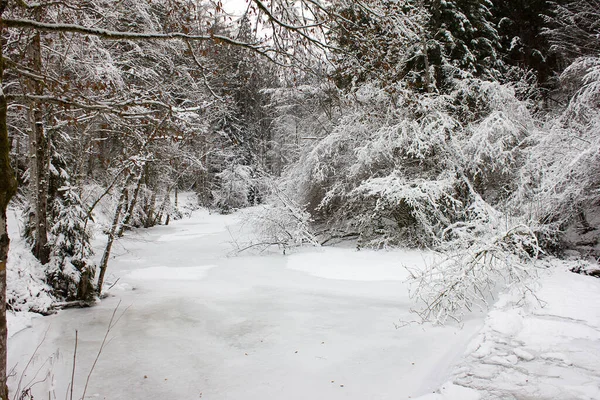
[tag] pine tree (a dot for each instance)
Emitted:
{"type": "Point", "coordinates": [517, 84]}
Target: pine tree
{"type": "Point", "coordinates": [71, 270]}
{"type": "Point", "coordinates": [462, 38]}
{"type": "Point", "coordinates": [520, 25]}
{"type": "Point", "coordinates": [425, 43]}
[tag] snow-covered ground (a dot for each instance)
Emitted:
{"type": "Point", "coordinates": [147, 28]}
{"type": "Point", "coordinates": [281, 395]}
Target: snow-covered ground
{"type": "Point", "coordinates": [548, 348]}
{"type": "Point", "coordinates": [316, 324]}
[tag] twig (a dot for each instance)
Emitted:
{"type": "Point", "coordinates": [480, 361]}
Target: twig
{"type": "Point", "coordinates": [111, 325]}
{"type": "Point", "coordinates": [74, 362]}
{"type": "Point", "coordinates": [266, 244]}
{"type": "Point", "coordinates": [29, 363]}
{"type": "Point", "coordinates": [113, 285]}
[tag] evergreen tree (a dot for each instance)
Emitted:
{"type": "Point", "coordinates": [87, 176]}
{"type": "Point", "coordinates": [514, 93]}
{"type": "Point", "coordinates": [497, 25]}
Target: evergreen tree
{"type": "Point", "coordinates": [71, 270]}
{"type": "Point", "coordinates": [375, 43]}
{"type": "Point", "coordinates": [462, 38]}
{"type": "Point", "coordinates": [423, 42]}
{"type": "Point", "coordinates": [520, 25]}
{"type": "Point", "coordinates": [242, 125]}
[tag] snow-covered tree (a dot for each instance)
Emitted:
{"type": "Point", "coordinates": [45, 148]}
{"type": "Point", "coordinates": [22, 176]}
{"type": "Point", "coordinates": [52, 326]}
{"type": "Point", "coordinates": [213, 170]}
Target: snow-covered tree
{"type": "Point", "coordinates": [573, 28]}
{"type": "Point", "coordinates": [395, 167]}
{"type": "Point", "coordinates": [463, 33]}
{"type": "Point", "coordinates": [71, 271]}
{"type": "Point", "coordinates": [376, 42]}
{"type": "Point", "coordinates": [459, 39]}
{"type": "Point", "coordinates": [520, 25]}
{"type": "Point", "coordinates": [561, 179]}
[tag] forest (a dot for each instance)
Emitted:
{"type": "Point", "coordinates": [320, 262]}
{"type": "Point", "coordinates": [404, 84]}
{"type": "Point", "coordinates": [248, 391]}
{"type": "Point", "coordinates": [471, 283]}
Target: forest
{"type": "Point", "coordinates": [468, 128]}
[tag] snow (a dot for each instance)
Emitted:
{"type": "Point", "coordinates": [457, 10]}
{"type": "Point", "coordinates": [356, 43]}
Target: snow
{"type": "Point", "coordinates": [17, 321]}
{"type": "Point", "coordinates": [330, 323]}
{"type": "Point", "coordinates": [544, 347]}
{"type": "Point", "coordinates": [26, 289]}
{"type": "Point", "coordinates": [319, 323]}
{"type": "Point", "coordinates": [170, 273]}
{"type": "Point", "coordinates": [452, 391]}
{"type": "Point", "coordinates": [364, 265]}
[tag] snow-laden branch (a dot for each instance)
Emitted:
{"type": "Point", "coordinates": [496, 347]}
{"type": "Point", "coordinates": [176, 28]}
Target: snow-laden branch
{"type": "Point", "coordinates": [116, 107]}
{"type": "Point", "coordinates": [117, 35]}
{"type": "Point", "coordinates": [302, 29]}
{"type": "Point", "coordinates": [263, 7]}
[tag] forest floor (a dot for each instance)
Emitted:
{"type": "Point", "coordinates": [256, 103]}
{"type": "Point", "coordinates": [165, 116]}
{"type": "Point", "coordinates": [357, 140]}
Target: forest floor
{"type": "Point", "coordinates": [195, 321]}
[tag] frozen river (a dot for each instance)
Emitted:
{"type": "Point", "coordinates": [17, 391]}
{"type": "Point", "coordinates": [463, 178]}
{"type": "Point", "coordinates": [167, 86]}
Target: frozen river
{"type": "Point", "coordinates": [199, 323]}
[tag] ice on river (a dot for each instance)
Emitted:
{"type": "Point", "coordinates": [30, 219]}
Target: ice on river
{"type": "Point", "coordinates": [195, 322]}
{"type": "Point", "coordinates": [199, 323]}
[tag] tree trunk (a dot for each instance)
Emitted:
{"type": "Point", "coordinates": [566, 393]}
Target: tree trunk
{"type": "Point", "coordinates": [131, 205]}
{"type": "Point", "coordinates": [39, 163]}
{"type": "Point", "coordinates": [424, 49]}
{"type": "Point", "coordinates": [150, 221]}
{"type": "Point", "coordinates": [8, 187]}
{"type": "Point", "coordinates": [163, 206]}
{"type": "Point", "coordinates": [426, 62]}
{"type": "Point", "coordinates": [4, 243]}
{"type": "Point", "coordinates": [38, 151]}
{"type": "Point", "coordinates": [112, 234]}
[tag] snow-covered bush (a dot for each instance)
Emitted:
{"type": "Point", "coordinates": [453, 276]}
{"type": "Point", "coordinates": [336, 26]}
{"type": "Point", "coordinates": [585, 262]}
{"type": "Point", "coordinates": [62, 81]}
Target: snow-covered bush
{"type": "Point", "coordinates": [281, 222]}
{"type": "Point", "coordinates": [281, 225]}
{"type": "Point", "coordinates": [478, 256]}
{"type": "Point", "coordinates": [26, 287]}
{"type": "Point", "coordinates": [430, 170]}
{"type": "Point", "coordinates": [183, 204]}
{"type": "Point", "coordinates": [560, 181]}
{"type": "Point", "coordinates": [496, 144]}
{"type": "Point", "coordinates": [418, 208]}
{"type": "Point", "coordinates": [399, 168]}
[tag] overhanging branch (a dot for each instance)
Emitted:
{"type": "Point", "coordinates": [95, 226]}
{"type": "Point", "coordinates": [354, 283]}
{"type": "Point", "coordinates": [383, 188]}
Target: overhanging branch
{"type": "Point", "coordinates": [117, 35]}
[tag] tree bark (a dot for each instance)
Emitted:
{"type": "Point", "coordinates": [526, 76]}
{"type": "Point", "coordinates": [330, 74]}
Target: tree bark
{"type": "Point", "coordinates": [426, 62]}
{"type": "Point", "coordinates": [424, 49]}
{"type": "Point", "coordinates": [131, 205]}
{"type": "Point", "coordinates": [112, 234]}
{"type": "Point", "coordinates": [38, 162]}
{"type": "Point", "coordinates": [150, 207]}
{"type": "Point", "coordinates": [8, 187]}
